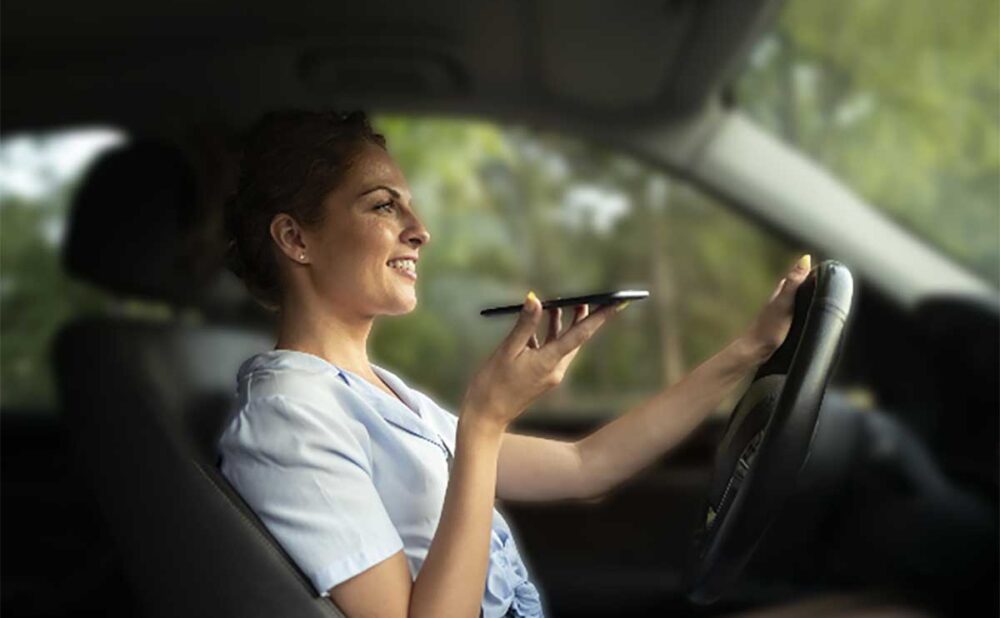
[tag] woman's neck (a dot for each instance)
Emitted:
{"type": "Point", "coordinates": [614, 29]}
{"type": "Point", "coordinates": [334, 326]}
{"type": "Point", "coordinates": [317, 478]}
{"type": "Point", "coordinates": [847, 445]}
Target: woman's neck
{"type": "Point", "coordinates": [341, 340]}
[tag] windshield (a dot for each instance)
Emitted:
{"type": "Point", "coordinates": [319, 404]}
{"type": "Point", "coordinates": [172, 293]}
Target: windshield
{"type": "Point", "coordinates": [901, 99]}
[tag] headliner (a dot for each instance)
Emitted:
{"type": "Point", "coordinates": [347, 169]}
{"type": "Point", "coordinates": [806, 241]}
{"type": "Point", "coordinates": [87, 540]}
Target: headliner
{"type": "Point", "coordinates": [139, 65]}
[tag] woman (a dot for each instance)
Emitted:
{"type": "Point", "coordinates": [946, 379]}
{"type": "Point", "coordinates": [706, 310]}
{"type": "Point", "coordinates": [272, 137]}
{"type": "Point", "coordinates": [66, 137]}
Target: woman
{"type": "Point", "coordinates": [383, 498]}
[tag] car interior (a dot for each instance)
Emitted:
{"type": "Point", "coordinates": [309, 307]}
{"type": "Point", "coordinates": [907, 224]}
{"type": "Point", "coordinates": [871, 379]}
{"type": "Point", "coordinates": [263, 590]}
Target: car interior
{"type": "Point", "coordinates": [112, 503]}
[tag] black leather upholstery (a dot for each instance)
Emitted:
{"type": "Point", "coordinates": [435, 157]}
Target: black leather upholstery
{"type": "Point", "coordinates": [145, 401]}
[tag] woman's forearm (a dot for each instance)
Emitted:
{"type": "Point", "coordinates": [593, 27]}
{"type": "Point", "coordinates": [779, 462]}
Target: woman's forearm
{"type": "Point", "coordinates": [452, 579]}
{"type": "Point", "coordinates": [623, 447]}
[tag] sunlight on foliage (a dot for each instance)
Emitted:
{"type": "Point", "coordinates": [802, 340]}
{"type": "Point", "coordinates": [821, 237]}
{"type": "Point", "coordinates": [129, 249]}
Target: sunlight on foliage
{"type": "Point", "coordinates": [902, 101]}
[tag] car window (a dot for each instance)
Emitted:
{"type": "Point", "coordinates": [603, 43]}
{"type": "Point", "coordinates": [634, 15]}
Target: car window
{"type": "Point", "coordinates": [38, 175]}
{"type": "Point", "coordinates": [899, 99]}
{"type": "Point", "coordinates": [512, 210]}
{"type": "Point", "coordinates": [509, 210]}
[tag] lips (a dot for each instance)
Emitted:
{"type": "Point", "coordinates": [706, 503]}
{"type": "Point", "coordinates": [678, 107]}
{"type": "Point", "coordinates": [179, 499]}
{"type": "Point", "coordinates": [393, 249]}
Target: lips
{"type": "Point", "coordinates": [412, 257]}
{"type": "Point", "coordinates": [404, 266]}
{"type": "Point", "coordinates": [406, 273]}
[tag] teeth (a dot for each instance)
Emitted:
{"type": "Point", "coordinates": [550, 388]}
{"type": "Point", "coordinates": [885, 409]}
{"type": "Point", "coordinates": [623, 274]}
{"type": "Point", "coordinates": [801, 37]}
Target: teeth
{"type": "Point", "coordinates": [408, 265]}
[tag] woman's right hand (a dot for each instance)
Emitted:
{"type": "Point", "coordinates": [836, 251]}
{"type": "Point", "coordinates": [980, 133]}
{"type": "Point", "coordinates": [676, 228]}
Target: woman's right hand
{"type": "Point", "coordinates": [520, 370]}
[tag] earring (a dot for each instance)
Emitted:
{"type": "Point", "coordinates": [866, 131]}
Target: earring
{"type": "Point", "coordinates": [302, 257]}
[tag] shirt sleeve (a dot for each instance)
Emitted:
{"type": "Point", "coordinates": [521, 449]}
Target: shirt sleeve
{"type": "Point", "coordinates": [306, 473]}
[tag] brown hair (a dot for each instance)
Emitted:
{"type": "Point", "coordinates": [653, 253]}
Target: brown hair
{"type": "Point", "coordinates": [291, 161]}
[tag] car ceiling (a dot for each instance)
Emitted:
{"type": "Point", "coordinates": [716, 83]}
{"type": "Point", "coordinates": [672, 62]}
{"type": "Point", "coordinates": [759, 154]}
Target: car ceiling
{"type": "Point", "coordinates": [588, 62]}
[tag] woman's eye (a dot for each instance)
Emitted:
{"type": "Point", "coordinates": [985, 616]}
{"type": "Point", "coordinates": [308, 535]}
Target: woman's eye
{"type": "Point", "coordinates": [387, 205]}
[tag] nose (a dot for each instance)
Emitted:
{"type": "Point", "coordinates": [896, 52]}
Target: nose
{"type": "Point", "coordinates": [416, 234]}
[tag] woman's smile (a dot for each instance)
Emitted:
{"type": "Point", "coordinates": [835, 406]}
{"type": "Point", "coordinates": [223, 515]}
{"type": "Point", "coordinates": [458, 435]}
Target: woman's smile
{"type": "Point", "coordinates": [406, 267]}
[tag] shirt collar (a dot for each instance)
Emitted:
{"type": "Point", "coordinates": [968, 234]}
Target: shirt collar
{"type": "Point", "coordinates": [406, 414]}
{"type": "Point", "coordinates": [289, 359]}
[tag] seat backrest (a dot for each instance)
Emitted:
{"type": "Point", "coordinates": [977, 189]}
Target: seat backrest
{"type": "Point", "coordinates": [145, 402]}
{"type": "Point", "coordinates": [146, 407]}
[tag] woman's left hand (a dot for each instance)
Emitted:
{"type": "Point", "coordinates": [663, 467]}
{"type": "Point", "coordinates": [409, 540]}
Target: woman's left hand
{"type": "Point", "coordinates": [772, 324]}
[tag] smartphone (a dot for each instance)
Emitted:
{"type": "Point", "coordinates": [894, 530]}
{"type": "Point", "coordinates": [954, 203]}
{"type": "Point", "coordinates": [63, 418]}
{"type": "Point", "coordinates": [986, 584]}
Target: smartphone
{"type": "Point", "coordinates": [604, 298]}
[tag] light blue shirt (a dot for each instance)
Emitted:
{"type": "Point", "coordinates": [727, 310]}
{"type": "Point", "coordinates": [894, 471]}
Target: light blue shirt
{"type": "Point", "coordinates": [344, 475]}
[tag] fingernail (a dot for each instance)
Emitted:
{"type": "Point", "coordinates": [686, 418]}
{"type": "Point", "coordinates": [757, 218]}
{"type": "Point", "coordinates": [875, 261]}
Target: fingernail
{"type": "Point", "coordinates": [622, 306]}
{"type": "Point", "coordinates": [804, 262]}
{"type": "Point", "coordinates": [531, 299]}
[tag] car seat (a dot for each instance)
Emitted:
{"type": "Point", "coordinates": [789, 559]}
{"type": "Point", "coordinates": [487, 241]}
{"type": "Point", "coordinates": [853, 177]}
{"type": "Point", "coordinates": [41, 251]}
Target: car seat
{"type": "Point", "coordinates": [145, 398]}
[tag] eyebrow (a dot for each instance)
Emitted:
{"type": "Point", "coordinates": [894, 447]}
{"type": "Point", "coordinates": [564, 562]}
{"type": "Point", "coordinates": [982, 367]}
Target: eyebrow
{"type": "Point", "coordinates": [392, 191]}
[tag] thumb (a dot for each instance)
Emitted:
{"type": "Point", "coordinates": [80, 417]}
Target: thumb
{"type": "Point", "coordinates": [801, 269]}
{"type": "Point", "coordinates": [527, 324]}
{"type": "Point", "coordinates": [797, 275]}
{"type": "Point", "coordinates": [777, 289]}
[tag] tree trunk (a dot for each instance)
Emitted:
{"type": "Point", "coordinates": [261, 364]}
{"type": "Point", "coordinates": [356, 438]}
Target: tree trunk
{"type": "Point", "coordinates": [665, 296]}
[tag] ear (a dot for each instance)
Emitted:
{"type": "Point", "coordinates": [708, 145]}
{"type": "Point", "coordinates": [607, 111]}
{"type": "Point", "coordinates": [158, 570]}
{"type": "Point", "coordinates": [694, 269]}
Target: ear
{"type": "Point", "coordinates": [289, 236]}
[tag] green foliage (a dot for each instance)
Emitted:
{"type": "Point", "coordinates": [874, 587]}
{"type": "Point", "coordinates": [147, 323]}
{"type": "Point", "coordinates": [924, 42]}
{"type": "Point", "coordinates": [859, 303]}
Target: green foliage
{"type": "Point", "coordinates": [36, 297]}
{"type": "Point", "coordinates": [902, 100]}
{"type": "Point", "coordinates": [510, 211]}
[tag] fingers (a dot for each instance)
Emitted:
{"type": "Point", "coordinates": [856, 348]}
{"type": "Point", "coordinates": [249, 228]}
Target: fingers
{"type": "Point", "coordinates": [579, 314]}
{"type": "Point", "coordinates": [801, 268]}
{"type": "Point", "coordinates": [555, 324]}
{"type": "Point", "coordinates": [790, 283]}
{"type": "Point", "coordinates": [580, 332]}
{"type": "Point", "coordinates": [527, 322]}
{"type": "Point", "coordinates": [561, 343]}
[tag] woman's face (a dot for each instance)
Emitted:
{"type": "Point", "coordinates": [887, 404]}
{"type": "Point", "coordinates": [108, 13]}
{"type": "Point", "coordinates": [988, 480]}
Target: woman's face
{"type": "Point", "coordinates": [353, 255]}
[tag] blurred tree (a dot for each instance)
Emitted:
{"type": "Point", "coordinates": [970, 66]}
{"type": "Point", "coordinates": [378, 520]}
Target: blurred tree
{"type": "Point", "coordinates": [509, 210]}
{"type": "Point", "coordinates": [36, 296]}
{"type": "Point", "coordinates": [902, 100]}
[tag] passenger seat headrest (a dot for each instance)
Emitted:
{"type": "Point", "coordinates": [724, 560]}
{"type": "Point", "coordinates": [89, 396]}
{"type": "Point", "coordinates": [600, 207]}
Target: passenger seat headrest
{"type": "Point", "coordinates": [129, 222]}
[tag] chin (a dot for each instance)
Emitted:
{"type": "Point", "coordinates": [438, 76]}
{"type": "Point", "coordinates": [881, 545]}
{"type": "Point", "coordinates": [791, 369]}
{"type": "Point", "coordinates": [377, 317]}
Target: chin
{"type": "Point", "coordinates": [404, 307]}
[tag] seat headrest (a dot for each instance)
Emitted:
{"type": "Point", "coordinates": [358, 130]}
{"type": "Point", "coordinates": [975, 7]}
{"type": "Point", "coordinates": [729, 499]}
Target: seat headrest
{"type": "Point", "coordinates": [129, 222]}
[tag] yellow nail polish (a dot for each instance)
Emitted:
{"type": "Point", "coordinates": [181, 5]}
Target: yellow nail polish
{"type": "Point", "coordinates": [804, 262]}
{"type": "Point", "coordinates": [529, 302]}
{"type": "Point", "coordinates": [622, 306]}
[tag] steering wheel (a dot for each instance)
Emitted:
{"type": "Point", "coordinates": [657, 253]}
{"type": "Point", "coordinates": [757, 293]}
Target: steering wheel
{"type": "Point", "coordinates": [767, 440]}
